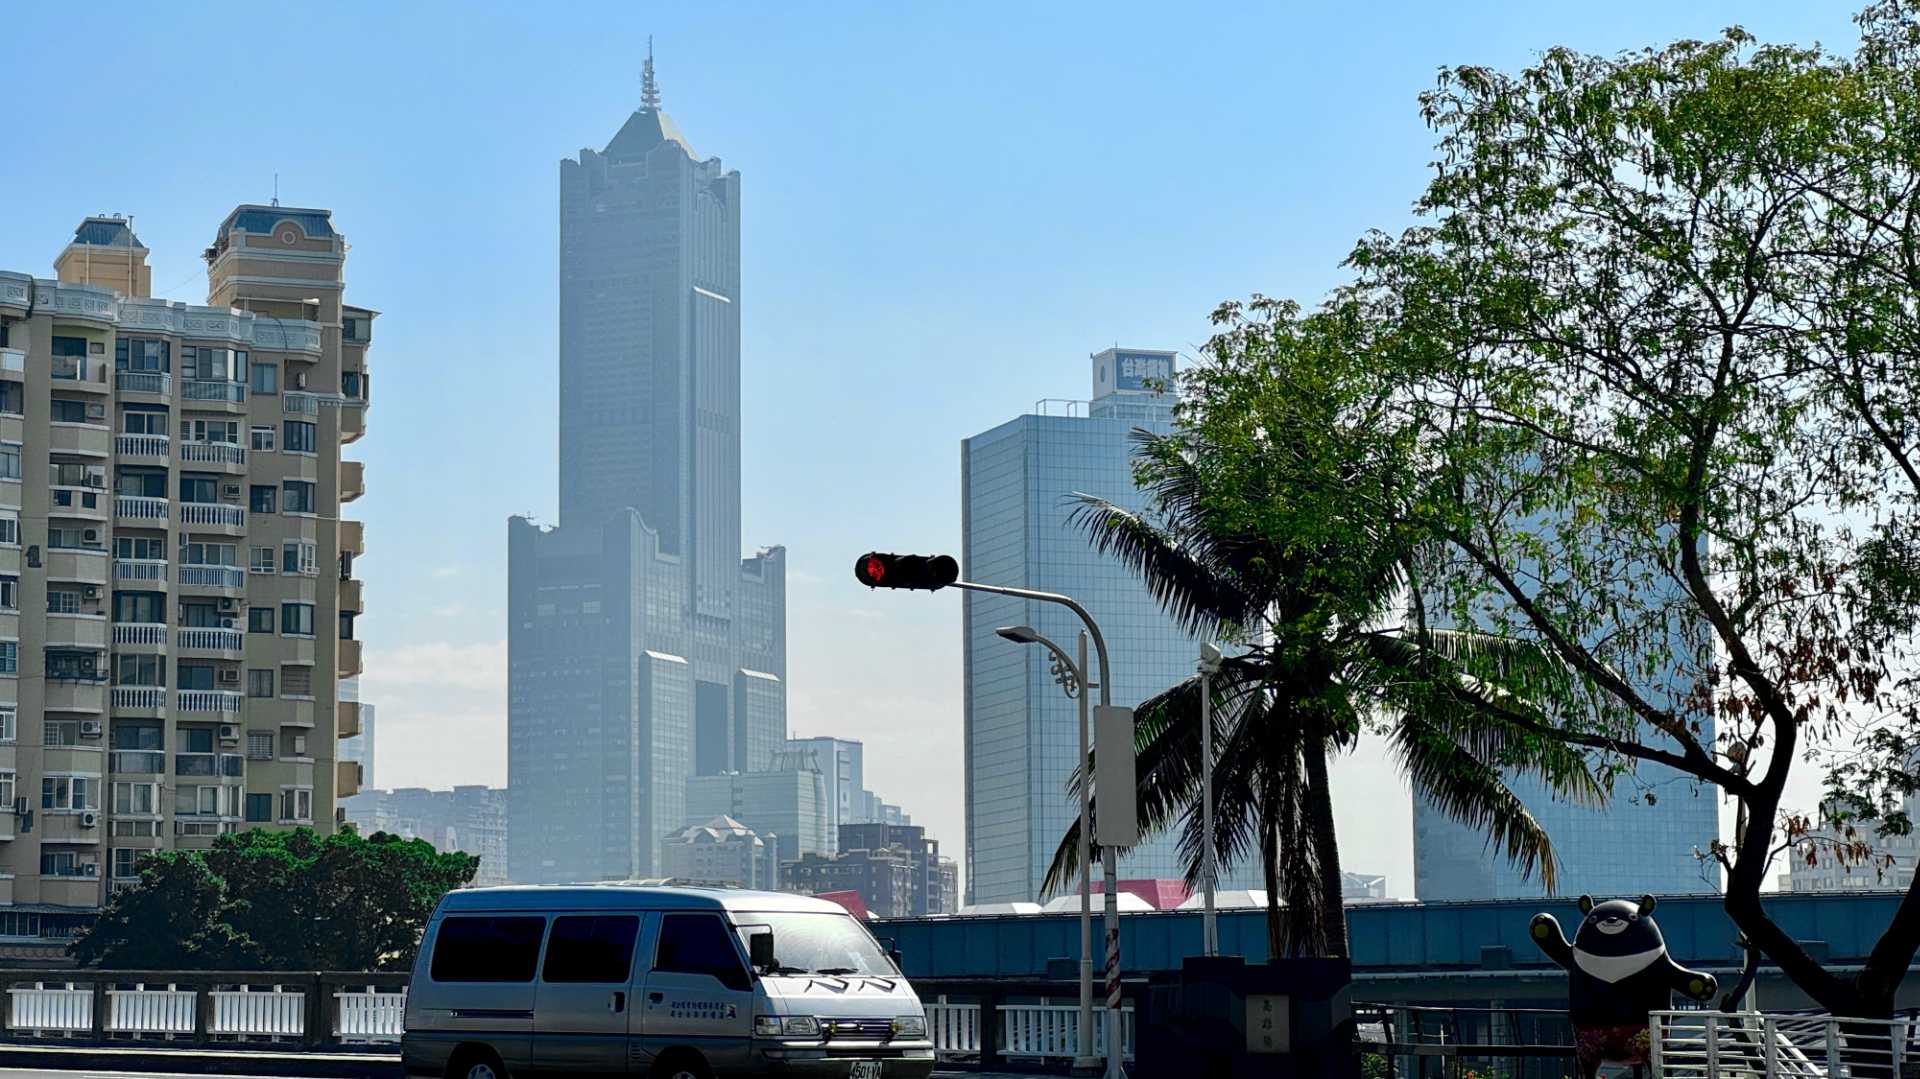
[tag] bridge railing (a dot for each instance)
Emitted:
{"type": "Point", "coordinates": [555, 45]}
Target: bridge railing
{"type": "Point", "coordinates": [994, 1021]}
{"type": "Point", "coordinates": [311, 1009]}
{"type": "Point", "coordinates": [1747, 1045]}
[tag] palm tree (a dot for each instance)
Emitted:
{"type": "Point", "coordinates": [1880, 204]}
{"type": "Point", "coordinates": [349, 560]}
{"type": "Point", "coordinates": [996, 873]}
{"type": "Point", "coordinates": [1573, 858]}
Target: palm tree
{"type": "Point", "coordinates": [1318, 665]}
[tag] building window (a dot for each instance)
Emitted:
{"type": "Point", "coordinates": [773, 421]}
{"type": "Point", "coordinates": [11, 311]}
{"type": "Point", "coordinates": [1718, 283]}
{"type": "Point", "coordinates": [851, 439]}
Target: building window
{"type": "Point", "coordinates": [59, 863]}
{"type": "Point", "coordinates": [260, 682]}
{"type": "Point", "coordinates": [9, 657]}
{"type": "Point", "coordinates": [210, 431]}
{"type": "Point", "coordinates": [194, 676]}
{"type": "Point", "coordinates": [296, 619]}
{"type": "Point", "coordinates": [259, 808]}
{"type": "Point", "coordinates": [147, 420]}
{"type": "Point", "coordinates": [126, 862]}
{"type": "Point", "coordinates": [199, 488]}
{"type": "Point", "coordinates": [196, 802]}
{"type": "Point", "coordinates": [66, 665]}
{"type": "Point", "coordinates": [141, 482]}
{"type": "Point", "coordinates": [146, 607]}
{"type": "Point", "coordinates": [301, 437]}
{"type": "Point", "coordinates": [208, 553]}
{"type": "Point", "coordinates": [262, 439]}
{"type": "Point", "coordinates": [149, 548]}
{"type": "Point", "coordinates": [12, 398]}
{"type": "Point", "coordinates": [65, 411]}
{"type": "Point", "coordinates": [296, 681]}
{"type": "Point", "coordinates": [63, 601]}
{"type": "Point", "coordinates": [297, 496]}
{"type": "Point", "coordinates": [266, 379]}
{"type": "Point", "coordinates": [137, 735]}
{"type": "Point", "coordinates": [299, 557]}
{"type": "Point", "coordinates": [260, 619]}
{"type": "Point", "coordinates": [296, 804]}
{"type": "Point", "coordinates": [10, 528]}
{"type": "Point", "coordinates": [9, 593]}
{"type": "Point", "coordinates": [141, 799]}
{"type": "Point", "coordinates": [6, 791]}
{"type": "Point", "coordinates": [9, 461]}
{"type": "Point", "coordinates": [140, 354]}
{"type": "Point", "coordinates": [260, 744]}
{"type": "Point", "coordinates": [261, 498]}
{"type": "Point", "coordinates": [353, 386]}
{"type": "Point", "coordinates": [260, 559]}
{"type": "Point", "coordinates": [8, 721]}
{"type": "Point", "coordinates": [136, 670]}
{"type": "Point", "coordinates": [70, 794]}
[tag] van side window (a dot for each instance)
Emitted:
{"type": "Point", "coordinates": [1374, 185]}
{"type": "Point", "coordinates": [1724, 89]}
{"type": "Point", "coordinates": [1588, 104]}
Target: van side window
{"type": "Point", "coordinates": [699, 944]}
{"type": "Point", "coordinates": [487, 949]}
{"type": "Point", "coordinates": [591, 948]}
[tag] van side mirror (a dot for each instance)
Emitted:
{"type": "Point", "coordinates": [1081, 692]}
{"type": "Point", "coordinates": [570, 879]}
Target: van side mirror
{"type": "Point", "coordinates": [760, 949]}
{"type": "Point", "coordinates": [893, 951]}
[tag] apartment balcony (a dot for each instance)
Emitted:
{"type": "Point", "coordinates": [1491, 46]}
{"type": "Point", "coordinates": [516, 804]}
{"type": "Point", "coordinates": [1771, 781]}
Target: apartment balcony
{"type": "Point", "coordinates": [139, 511]}
{"type": "Point", "coordinates": [350, 595]}
{"type": "Point", "coordinates": [213, 391]}
{"type": "Point", "coordinates": [75, 630]}
{"type": "Point", "coordinates": [13, 362]}
{"type": "Point", "coordinates": [213, 515]}
{"type": "Point", "coordinates": [136, 762]}
{"type": "Point", "coordinates": [220, 578]}
{"type": "Point", "coordinates": [140, 634]}
{"type": "Point", "coordinates": [348, 714]}
{"type": "Point", "coordinates": [353, 480]}
{"type": "Point", "coordinates": [154, 448]}
{"type": "Point", "coordinates": [228, 456]}
{"type": "Point", "coordinates": [353, 421]}
{"type": "Point", "coordinates": [224, 643]}
{"type": "Point", "coordinates": [353, 538]}
{"type": "Point", "coordinates": [198, 833]}
{"type": "Point", "coordinates": [209, 764]}
{"type": "Point", "coordinates": [81, 373]}
{"type": "Point", "coordinates": [84, 697]}
{"type": "Point", "coordinates": [347, 781]}
{"type": "Point", "coordinates": [76, 891]}
{"type": "Point", "coordinates": [349, 659]}
{"type": "Point", "coordinates": [147, 573]}
{"type": "Point", "coordinates": [139, 702]}
{"type": "Point", "coordinates": [300, 403]}
{"type": "Point", "coordinates": [85, 503]}
{"type": "Point", "coordinates": [85, 565]}
{"type": "Point", "coordinates": [91, 439]}
{"type": "Point", "coordinates": [151, 383]}
{"type": "Point", "coordinates": [223, 702]}
{"type": "Point", "coordinates": [56, 827]}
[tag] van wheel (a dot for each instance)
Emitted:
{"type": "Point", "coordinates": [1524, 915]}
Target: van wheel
{"type": "Point", "coordinates": [681, 1064]}
{"type": "Point", "coordinates": [476, 1064]}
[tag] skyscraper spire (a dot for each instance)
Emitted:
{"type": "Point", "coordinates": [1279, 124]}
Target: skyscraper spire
{"type": "Point", "coordinates": [649, 90]}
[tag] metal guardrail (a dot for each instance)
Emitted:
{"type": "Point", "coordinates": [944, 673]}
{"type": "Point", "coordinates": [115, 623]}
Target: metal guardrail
{"type": "Point", "coordinates": [310, 1009]}
{"type": "Point", "coordinates": [1746, 1045]}
{"type": "Point", "coordinates": [1048, 1031]}
{"type": "Point", "coordinates": [1515, 1043]}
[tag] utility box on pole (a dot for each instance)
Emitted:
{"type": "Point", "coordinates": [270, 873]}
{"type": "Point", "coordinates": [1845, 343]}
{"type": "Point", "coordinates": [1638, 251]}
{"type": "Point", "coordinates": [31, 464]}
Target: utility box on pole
{"type": "Point", "coordinates": [1117, 820]}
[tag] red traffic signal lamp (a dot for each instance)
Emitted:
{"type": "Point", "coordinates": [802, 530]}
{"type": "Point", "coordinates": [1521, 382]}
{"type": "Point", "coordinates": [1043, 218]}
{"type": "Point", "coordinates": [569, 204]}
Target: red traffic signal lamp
{"type": "Point", "coordinates": [925, 572]}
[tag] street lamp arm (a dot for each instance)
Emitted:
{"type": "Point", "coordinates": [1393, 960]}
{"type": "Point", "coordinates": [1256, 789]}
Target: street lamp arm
{"type": "Point", "coordinates": [1093, 628]}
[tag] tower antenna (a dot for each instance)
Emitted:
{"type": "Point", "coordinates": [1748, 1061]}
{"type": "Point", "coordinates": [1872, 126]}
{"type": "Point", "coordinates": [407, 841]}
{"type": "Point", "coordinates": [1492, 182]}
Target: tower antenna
{"type": "Point", "coordinates": [649, 90]}
{"type": "Point", "coordinates": [276, 189]}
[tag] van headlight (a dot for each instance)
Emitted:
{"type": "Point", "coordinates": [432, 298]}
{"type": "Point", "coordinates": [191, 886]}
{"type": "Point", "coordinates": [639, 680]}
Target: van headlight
{"type": "Point", "coordinates": [766, 1026]}
{"type": "Point", "coordinates": [910, 1026]}
{"type": "Point", "coordinates": [801, 1026]}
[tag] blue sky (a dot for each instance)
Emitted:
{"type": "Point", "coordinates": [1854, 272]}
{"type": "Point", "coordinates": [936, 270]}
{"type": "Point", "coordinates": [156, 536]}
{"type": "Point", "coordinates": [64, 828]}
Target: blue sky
{"type": "Point", "coordinates": [945, 208]}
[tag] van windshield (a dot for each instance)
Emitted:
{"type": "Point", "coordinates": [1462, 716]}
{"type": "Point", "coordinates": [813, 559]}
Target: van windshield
{"type": "Point", "coordinates": [805, 943]}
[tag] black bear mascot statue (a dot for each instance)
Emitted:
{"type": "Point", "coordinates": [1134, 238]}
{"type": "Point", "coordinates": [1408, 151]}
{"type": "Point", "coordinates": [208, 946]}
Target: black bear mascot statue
{"type": "Point", "coordinates": [1619, 970]}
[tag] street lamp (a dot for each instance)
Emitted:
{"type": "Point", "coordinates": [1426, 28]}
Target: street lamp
{"type": "Point", "coordinates": [1209, 923]}
{"type": "Point", "coordinates": [1071, 674]}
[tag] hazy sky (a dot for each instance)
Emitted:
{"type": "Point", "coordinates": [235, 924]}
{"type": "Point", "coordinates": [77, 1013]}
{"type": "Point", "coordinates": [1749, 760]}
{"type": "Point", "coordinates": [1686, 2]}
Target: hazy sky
{"type": "Point", "coordinates": [945, 209]}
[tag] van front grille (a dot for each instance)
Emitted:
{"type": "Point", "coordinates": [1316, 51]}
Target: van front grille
{"type": "Point", "coordinates": [857, 1030]}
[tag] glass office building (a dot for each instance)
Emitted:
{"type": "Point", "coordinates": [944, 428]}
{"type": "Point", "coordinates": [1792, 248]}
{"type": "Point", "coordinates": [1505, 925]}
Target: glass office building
{"type": "Point", "coordinates": [642, 648]}
{"type": "Point", "coordinates": [1022, 734]}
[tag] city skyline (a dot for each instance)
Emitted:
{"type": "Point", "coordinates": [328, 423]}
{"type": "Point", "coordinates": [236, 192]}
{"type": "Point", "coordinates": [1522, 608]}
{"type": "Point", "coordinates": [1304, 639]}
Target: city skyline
{"type": "Point", "coordinates": [1005, 315]}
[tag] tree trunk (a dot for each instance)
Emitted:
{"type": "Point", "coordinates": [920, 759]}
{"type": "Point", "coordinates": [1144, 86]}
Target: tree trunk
{"type": "Point", "coordinates": [1270, 865]}
{"type": "Point", "coordinates": [1326, 849]}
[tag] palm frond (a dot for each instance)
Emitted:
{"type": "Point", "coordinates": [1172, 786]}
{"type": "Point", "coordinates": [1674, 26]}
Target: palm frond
{"type": "Point", "coordinates": [1194, 595]}
{"type": "Point", "coordinates": [1471, 792]}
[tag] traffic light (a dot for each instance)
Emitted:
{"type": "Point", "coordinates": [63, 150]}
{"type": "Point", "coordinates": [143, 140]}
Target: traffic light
{"type": "Point", "coordinates": [925, 572]}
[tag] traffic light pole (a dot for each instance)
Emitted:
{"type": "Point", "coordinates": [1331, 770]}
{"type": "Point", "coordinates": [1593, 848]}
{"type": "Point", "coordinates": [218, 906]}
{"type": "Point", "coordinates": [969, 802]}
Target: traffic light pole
{"type": "Point", "coordinates": [1109, 857]}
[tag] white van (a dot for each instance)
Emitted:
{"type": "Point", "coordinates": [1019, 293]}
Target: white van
{"type": "Point", "coordinates": [663, 982]}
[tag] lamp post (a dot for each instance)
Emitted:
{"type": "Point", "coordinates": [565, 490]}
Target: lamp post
{"type": "Point", "coordinates": [1209, 923]}
{"type": "Point", "coordinates": [1071, 674]}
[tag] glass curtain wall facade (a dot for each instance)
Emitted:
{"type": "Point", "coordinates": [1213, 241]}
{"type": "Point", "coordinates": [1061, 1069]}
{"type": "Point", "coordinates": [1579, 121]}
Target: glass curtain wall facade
{"type": "Point", "coordinates": [1022, 733]}
{"type": "Point", "coordinates": [641, 648]}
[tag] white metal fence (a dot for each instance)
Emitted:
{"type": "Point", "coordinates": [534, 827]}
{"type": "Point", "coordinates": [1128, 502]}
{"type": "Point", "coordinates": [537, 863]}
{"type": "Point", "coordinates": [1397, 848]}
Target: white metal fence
{"type": "Point", "coordinates": [1029, 1031]}
{"type": "Point", "coordinates": [65, 1009]}
{"type": "Point", "coordinates": [1722, 1045]}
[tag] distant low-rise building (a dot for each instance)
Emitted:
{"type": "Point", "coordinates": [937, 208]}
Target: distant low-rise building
{"type": "Point", "coordinates": [923, 856]}
{"type": "Point", "coordinates": [884, 879]}
{"type": "Point", "coordinates": [787, 802]}
{"type": "Point", "coordinates": [723, 851]}
{"type": "Point", "coordinates": [948, 901]}
{"type": "Point", "coordinates": [470, 819]}
{"type": "Point", "coordinates": [1890, 862]}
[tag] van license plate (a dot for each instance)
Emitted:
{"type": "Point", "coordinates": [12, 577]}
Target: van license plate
{"type": "Point", "coordinates": [864, 1069]}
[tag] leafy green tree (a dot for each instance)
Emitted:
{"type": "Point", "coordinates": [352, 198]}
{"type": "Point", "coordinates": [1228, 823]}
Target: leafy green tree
{"type": "Point", "coordinates": [1654, 345]}
{"type": "Point", "coordinates": [1265, 530]}
{"type": "Point", "coordinates": [261, 900]}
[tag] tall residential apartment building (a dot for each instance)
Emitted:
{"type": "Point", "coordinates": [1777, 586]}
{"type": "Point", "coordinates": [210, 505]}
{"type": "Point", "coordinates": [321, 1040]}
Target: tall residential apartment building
{"type": "Point", "coordinates": [1021, 732]}
{"type": "Point", "coordinates": [642, 648]}
{"type": "Point", "coordinates": [177, 602]}
{"type": "Point", "coordinates": [1890, 865]}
